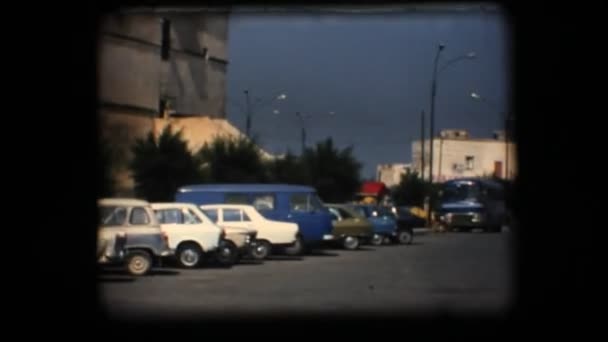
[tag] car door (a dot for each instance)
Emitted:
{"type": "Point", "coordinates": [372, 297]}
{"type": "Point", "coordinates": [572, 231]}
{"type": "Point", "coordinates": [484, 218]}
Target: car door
{"type": "Point", "coordinates": [171, 220]}
{"type": "Point", "coordinates": [306, 210]}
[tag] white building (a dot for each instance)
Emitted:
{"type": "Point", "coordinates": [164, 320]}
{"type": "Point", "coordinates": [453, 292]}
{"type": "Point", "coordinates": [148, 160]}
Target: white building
{"type": "Point", "coordinates": [390, 174]}
{"type": "Point", "coordinates": [456, 155]}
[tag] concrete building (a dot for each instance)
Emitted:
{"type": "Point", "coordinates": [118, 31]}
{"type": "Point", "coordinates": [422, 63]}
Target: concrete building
{"type": "Point", "coordinates": [390, 174]}
{"type": "Point", "coordinates": [161, 68]}
{"type": "Point", "coordinates": [457, 155]}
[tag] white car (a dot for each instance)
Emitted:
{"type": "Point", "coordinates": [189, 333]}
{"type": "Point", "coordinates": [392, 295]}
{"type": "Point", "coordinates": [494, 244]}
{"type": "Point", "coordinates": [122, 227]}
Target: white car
{"type": "Point", "coordinates": [191, 234]}
{"type": "Point", "coordinates": [270, 234]}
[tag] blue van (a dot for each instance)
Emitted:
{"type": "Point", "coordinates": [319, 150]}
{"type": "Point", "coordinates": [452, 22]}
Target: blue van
{"type": "Point", "coordinates": [281, 202]}
{"type": "Point", "coordinates": [469, 203]}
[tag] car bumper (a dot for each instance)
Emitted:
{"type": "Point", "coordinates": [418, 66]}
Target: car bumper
{"type": "Point", "coordinates": [328, 237]}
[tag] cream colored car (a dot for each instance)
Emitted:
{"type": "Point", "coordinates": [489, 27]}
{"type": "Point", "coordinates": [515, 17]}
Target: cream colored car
{"type": "Point", "coordinates": [270, 234]}
{"type": "Point", "coordinates": [134, 219]}
{"type": "Point", "coordinates": [192, 235]}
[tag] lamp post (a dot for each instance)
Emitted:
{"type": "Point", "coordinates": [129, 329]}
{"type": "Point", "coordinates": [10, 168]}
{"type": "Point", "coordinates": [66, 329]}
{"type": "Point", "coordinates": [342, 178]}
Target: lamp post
{"type": "Point", "coordinates": [507, 122]}
{"type": "Point", "coordinates": [436, 73]}
{"type": "Point", "coordinates": [249, 109]}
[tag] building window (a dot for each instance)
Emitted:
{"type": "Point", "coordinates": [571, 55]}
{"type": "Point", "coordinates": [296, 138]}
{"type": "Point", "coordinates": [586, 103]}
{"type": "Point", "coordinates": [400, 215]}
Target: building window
{"type": "Point", "coordinates": [470, 162]}
{"type": "Point", "coordinates": [165, 39]}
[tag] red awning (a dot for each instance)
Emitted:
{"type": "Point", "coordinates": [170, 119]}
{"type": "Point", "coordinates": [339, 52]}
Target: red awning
{"type": "Point", "coordinates": [373, 188]}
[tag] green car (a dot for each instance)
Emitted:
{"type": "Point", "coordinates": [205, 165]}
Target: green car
{"type": "Point", "coordinates": [350, 228]}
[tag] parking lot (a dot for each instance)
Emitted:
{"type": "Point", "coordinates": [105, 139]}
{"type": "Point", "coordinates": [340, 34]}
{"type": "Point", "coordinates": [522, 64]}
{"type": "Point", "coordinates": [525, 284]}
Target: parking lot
{"type": "Point", "coordinates": [457, 272]}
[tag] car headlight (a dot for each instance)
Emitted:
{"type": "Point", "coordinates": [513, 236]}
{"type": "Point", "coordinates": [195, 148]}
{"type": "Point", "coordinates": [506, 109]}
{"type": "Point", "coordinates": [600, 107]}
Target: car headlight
{"type": "Point", "coordinates": [477, 217]}
{"type": "Point", "coordinates": [448, 217]}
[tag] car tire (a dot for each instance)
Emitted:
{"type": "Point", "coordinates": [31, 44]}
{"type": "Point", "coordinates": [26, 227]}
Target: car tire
{"type": "Point", "coordinates": [376, 240]}
{"type": "Point", "coordinates": [227, 253]}
{"type": "Point", "coordinates": [297, 248]}
{"type": "Point", "coordinates": [189, 255]}
{"type": "Point", "coordinates": [350, 243]}
{"type": "Point", "coordinates": [138, 262]}
{"type": "Point", "coordinates": [405, 237]}
{"type": "Point", "coordinates": [262, 250]}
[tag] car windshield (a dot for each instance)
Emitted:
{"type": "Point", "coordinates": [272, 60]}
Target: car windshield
{"type": "Point", "coordinates": [460, 192]}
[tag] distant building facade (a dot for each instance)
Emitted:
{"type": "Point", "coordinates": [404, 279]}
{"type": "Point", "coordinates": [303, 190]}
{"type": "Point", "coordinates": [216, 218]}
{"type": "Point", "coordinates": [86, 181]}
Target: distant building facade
{"type": "Point", "coordinates": [457, 155]}
{"type": "Point", "coordinates": [390, 174]}
{"type": "Point", "coordinates": [154, 66]}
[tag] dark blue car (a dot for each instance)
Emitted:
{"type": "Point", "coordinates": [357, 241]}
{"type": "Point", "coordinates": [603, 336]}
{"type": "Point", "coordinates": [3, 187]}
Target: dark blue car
{"type": "Point", "coordinates": [383, 222]}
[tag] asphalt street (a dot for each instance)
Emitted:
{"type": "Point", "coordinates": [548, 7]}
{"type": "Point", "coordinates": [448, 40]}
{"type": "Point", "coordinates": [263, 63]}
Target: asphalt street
{"type": "Point", "coordinates": [453, 272]}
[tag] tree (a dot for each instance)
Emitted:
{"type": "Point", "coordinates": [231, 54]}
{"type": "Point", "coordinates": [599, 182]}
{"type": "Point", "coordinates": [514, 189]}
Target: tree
{"type": "Point", "coordinates": [411, 190]}
{"type": "Point", "coordinates": [160, 166]}
{"type": "Point", "coordinates": [334, 173]}
{"type": "Point", "coordinates": [232, 160]}
{"type": "Point", "coordinates": [289, 170]}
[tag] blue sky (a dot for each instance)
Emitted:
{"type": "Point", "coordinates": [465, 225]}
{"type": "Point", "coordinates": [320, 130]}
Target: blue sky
{"type": "Point", "coordinates": [373, 71]}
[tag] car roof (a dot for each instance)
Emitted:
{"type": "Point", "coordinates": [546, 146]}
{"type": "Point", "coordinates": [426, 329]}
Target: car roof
{"type": "Point", "coordinates": [123, 201]}
{"type": "Point", "coordinates": [166, 205]}
{"type": "Point", "coordinates": [246, 188]}
{"type": "Point", "coordinates": [227, 205]}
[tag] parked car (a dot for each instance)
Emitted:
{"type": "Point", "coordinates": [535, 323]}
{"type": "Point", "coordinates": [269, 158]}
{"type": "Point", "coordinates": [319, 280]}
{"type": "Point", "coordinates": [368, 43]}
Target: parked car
{"type": "Point", "coordinates": [382, 220]}
{"type": "Point", "coordinates": [237, 239]}
{"type": "Point", "coordinates": [271, 235]}
{"type": "Point", "coordinates": [278, 202]}
{"type": "Point", "coordinates": [406, 222]}
{"type": "Point", "coordinates": [192, 235]}
{"type": "Point", "coordinates": [351, 229]}
{"type": "Point", "coordinates": [145, 244]}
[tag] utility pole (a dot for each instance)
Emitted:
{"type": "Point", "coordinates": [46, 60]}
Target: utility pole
{"type": "Point", "coordinates": [422, 146]}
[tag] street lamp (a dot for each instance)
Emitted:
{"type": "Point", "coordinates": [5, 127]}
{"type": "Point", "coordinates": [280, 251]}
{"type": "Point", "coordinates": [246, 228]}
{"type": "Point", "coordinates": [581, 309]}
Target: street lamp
{"type": "Point", "coordinates": [258, 102]}
{"type": "Point", "coordinates": [507, 123]}
{"type": "Point", "coordinates": [436, 73]}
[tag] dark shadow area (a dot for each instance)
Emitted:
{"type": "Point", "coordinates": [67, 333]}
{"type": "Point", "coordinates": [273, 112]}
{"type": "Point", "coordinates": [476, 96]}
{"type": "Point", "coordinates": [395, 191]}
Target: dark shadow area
{"type": "Point", "coordinates": [415, 243]}
{"type": "Point", "coordinates": [362, 249]}
{"type": "Point", "coordinates": [322, 253]}
{"type": "Point", "coordinates": [217, 266]}
{"type": "Point", "coordinates": [103, 279]}
{"type": "Point", "coordinates": [250, 262]}
{"type": "Point", "coordinates": [279, 257]}
{"type": "Point", "coordinates": [163, 272]}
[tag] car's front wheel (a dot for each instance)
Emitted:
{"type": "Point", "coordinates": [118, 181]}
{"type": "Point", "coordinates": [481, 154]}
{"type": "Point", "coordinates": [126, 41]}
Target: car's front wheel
{"type": "Point", "coordinates": [350, 243]}
{"type": "Point", "coordinates": [227, 253]}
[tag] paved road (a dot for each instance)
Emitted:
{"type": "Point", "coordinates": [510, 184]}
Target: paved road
{"type": "Point", "coordinates": [453, 272]}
